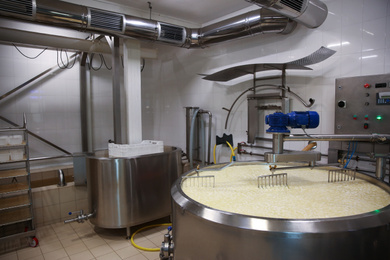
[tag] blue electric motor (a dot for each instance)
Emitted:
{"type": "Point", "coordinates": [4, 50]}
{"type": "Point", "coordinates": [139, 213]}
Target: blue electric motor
{"type": "Point", "coordinates": [298, 119]}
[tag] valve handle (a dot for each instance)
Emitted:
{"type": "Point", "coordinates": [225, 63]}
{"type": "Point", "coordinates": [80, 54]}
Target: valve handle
{"type": "Point", "coordinates": [79, 211]}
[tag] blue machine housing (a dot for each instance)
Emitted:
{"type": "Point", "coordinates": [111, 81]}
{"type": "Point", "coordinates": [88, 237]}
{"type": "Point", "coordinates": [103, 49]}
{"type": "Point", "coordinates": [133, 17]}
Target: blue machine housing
{"type": "Point", "coordinates": [279, 122]}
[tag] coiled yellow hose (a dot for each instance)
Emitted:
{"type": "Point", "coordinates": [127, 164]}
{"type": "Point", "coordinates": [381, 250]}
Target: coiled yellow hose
{"type": "Point", "coordinates": [231, 154]}
{"type": "Point", "coordinates": [231, 148]}
{"type": "Point", "coordinates": [147, 227]}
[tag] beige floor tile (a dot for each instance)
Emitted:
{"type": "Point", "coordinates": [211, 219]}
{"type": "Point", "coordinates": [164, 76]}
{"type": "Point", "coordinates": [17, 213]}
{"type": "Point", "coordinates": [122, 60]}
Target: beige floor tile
{"type": "Point", "coordinates": [77, 241]}
{"type": "Point", "coordinates": [70, 240]}
{"type": "Point", "coordinates": [89, 235]}
{"type": "Point", "coordinates": [127, 252]}
{"type": "Point", "coordinates": [46, 234]}
{"type": "Point", "coordinates": [146, 243]}
{"type": "Point", "coordinates": [150, 233]}
{"type": "Point", "coordinates": [86, 255]}
{"type": "Point", "coordinates": [151, 255]}
{"type": "Point", "coordinates": [157, 240]}
{"type": "Point", "coordinates": [49, 247]}
{"type": "Point", "coordinates": [62, 229]}
{"type": "Point", "coordinates": [9, 256]}
{"type": "Point", "coordinates": [29, 252]}
{"type": "Point", "coordinates": [94, 242]}
{"type": "Point", "coordinates": [138, 238]}
{"type": "Point", "coordinates": [110, 256]}
{"type": "Point", "coordinates": [116, 245]}
{"type": "Point", "coordinates": [56, 255]}
{"type": "Point", "coordinates": [47, 239]}
{"type": "Point", "coordinates": [86, 232]}
{"type": "Point", "coordinates": [101, 250]}
{"type": "Point", "coordinates": [75, 249]}
{"type": "Point", "coordinates": [137, 257]}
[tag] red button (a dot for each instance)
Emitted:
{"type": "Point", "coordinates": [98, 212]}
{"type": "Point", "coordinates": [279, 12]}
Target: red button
{"type": "Point", "coordinates": [367, 85]}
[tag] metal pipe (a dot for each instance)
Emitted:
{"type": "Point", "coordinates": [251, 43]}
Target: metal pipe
{"type": "Point", "coordinates": [252, 23]}
{"type": "Point", "coordinates": [61, 178]}
{"type": "Point", "coordinates": [33, 79]}
{"type": "Point", "coordinates": [357, 138]}
{"type": "Point", "coordinates": [311, 13]}
{"type": "Point", "coordinates": [380, 169]}
{"type": "Point", "coordinates": [36, 136]}
{"type": "Point", "coordinates": [209, 137]}
{"type": "Point", "coordinates": [83, 18]}
{"type": "Point", "coordinates": [116, 91]}
{"type": "Point", "coordinates": [50, 157]}
{"type": "Point", "coordinates": [277, 143]}
{"type": "Point", "coordinates": [189, 113]}
{"type": "Point", "coordinates": [304, 166]}
{"type": "Point", "coordinates": [86, 105]}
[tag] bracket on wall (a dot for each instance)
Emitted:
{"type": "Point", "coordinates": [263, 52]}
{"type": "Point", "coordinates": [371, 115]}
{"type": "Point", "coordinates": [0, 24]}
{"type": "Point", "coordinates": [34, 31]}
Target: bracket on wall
{"type": "Point", "coordinates": [235, 72]}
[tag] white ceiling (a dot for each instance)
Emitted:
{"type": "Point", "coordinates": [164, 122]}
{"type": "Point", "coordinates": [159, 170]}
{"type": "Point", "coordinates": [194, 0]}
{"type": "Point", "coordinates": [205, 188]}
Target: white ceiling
{"type": "Point", "coordinates": [194, 11]}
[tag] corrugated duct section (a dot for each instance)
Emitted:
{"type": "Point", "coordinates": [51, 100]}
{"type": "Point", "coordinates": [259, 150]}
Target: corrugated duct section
{"type": "Point", "coordinates": [89, 19]}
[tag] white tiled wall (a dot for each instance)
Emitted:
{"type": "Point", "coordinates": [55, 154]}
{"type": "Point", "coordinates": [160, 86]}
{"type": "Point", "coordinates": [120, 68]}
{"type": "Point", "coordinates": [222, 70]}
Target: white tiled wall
{"type": "Point", "coordinates": [359, 30]}
{"type": "Point", "coordinates": [52, 204]}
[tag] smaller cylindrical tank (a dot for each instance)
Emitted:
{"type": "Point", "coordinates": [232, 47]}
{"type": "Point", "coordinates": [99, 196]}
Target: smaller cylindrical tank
{"type": "Point", "coordinates": [124, 192]}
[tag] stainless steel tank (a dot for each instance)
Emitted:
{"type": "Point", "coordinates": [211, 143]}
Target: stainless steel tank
{"type": "Point", "coordinates": [201, 232]}
{"type": "Point", "coordinates": [124, 192]}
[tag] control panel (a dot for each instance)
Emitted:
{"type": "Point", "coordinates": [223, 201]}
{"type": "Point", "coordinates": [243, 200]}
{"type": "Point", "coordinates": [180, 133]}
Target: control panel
{"type": "Point", "coordinates": [363, 105]}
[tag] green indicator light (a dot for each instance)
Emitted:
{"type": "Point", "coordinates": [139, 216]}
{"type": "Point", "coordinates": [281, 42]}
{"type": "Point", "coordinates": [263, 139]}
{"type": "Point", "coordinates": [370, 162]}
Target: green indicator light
{"type": "Point", "coordinates": [379, 117]}
{"type": "Point", "coordinates": [377, 211]}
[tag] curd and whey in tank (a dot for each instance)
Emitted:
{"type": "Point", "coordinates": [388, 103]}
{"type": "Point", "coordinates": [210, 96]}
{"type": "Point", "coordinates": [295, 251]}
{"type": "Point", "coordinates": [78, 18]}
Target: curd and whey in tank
{"type": "Point", "coordinates": [308, 195]}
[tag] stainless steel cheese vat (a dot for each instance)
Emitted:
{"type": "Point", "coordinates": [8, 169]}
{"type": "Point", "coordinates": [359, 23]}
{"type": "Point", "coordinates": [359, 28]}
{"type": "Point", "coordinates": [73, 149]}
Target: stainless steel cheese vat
{"type": "Point", "coordinates": [124, 192]}
{"type": "Point", "coordinates": [201, 232]}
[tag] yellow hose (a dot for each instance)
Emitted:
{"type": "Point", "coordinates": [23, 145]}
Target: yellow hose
{"type": "Point", "coordinates": [231, 148]}
{"type": "Point", "coordinates": [231, 155]}
{"type": "Point", "coordinates": [147, 227]}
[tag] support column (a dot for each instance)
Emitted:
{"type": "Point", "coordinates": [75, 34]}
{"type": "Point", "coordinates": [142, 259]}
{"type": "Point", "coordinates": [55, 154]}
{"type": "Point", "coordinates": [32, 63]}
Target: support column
{"type": "Point", "coordinates": [86, 105]}
{"type": "Point", "coordinates": [116, 90]}
{"type": "Point", "coordinates": [132, 86]}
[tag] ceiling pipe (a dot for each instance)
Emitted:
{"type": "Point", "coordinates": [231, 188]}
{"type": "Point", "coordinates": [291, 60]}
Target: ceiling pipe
{"type": "Point", "coordinates": [83, 18]}
{"type": "Point", "coordinates": [311, 13]}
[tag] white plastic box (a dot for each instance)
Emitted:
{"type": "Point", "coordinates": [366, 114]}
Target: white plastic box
{"type": "Point", "coordinates": [4, 155]}
{"type": "Point", "coordinates": [4, 140]}
{"type": "Point", "coordinates": [15, 139]}
{"type": "Point", "coordinates": [131, 150]}
{"type": "Point", "coordinates": [17, 154]}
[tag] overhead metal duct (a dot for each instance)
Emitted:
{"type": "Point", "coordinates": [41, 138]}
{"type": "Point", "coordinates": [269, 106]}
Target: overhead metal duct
{"type": "Point", "coordinates": [311, 13]}
{"type": "Point", "coordinates": [83, 18]}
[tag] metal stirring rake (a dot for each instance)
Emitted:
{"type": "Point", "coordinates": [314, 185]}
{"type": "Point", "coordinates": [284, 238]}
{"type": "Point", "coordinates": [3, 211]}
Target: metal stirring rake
{"type": "Point", "coordinates": [341, 175]}
{"type": "Point", "coordinates": [199, 181]}
{"type": "Point", "coordinates": [272, 180]}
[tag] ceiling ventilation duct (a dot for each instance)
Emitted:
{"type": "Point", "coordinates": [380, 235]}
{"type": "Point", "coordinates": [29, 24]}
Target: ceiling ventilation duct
{"type": "Point", "coordinates": [311, 13]}
{"type": "Point", "coordinates": [22, 7]}
{"type": "Point", "coordinates": [83, 18]}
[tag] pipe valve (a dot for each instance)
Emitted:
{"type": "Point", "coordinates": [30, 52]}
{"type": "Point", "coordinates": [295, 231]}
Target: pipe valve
{"type": "Point", "coordinates": [80, 217]}
{"type": "Point", "coordinates": [166, 250]}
